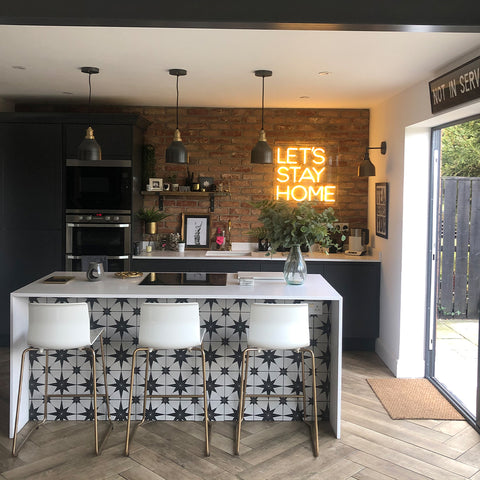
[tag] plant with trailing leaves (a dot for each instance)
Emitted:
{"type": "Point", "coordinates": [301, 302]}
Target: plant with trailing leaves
{"type": "Point", "coordinates": [289, 224]}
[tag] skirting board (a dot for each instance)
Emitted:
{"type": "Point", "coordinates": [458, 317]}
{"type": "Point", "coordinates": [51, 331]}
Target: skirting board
{"type": "Point", "coordinates": [400, 367]}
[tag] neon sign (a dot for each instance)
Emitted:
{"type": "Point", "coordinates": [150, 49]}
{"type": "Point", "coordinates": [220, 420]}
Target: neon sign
{"type": "Point", "coordinates": [299, 172]}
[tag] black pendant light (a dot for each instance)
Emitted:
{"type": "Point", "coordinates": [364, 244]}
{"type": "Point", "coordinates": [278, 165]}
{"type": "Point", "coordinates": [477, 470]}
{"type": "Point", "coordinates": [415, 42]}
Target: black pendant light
{"type": "Point", "coordinates": [89, 149]}
{"type": "Point", "coordinates": [176, 152]}
{"type": "Point", "coordinates": [261, 152]}
{"type": "Point", "coordinates": [366, 167]}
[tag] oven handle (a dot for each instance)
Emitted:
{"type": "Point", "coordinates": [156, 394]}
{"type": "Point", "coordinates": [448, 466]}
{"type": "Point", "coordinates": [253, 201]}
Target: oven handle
{"type": "Point", "coordinates": [108, 257]}
{"type": "Point", "coordinates": [98, 225]}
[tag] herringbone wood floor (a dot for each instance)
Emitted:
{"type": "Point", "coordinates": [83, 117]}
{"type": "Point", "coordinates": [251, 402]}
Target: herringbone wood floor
{"type": "Point", "coordinates": [372, 446]}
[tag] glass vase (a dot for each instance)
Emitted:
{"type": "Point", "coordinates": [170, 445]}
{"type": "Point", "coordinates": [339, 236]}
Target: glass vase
{"type": "Point", "coordinates": [295, 269]}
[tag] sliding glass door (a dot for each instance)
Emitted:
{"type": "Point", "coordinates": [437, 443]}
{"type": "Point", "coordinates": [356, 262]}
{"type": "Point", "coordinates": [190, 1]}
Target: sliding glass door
{"type": "Point", "coordinates": [453, 362]}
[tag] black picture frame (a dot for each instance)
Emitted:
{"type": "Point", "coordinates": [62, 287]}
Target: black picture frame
{"type": "Point", "coordinates": [196, 231]}
{"type": "Point", "coordinates": [381, 209]}
{"type": "Point", "coordinates": [205, 183]}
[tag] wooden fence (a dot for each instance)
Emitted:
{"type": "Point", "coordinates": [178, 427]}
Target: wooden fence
{"type": "Point", "coordinates": [459, 248]}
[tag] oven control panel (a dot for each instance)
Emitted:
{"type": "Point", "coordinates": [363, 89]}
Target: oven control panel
{"type": "Point", "coordinates": [98, 218]}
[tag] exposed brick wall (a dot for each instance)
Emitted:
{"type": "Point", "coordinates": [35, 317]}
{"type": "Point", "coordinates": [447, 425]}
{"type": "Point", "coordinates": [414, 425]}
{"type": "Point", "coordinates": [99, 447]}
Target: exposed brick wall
{"type": "Point", "coordinates": [219, 141]}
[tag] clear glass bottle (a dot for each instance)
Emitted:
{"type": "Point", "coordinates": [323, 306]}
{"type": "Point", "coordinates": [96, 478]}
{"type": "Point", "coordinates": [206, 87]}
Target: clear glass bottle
{"type": "Point", "coordinates": [295, 269]}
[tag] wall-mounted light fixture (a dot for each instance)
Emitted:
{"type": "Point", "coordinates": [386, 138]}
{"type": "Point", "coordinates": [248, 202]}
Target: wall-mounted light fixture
{"type": "Point", "coordinates": [261, 152]}
{"type": "Point", "coordinates": [367, 168]}
{"type": "Point", "coordinates": [89, 149]}
{"type": "Point", "coordinates": [176, 152]}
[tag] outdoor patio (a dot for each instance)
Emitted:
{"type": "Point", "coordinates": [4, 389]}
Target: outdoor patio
{"type": "Point", "coordinates": [456, 364]}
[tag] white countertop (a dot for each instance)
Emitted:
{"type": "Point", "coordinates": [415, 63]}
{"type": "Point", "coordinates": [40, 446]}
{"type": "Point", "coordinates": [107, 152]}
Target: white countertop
{"type": "Point", "coordinates": [315, 287]}
{"type": "Point", "coordinates": [201, 255]}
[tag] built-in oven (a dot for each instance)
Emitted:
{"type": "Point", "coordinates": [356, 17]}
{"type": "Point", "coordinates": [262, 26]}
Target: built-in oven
{"type": "Point", "coordinates": [98, 236]}
{"type": "Point", "coordinates": [99, 185]}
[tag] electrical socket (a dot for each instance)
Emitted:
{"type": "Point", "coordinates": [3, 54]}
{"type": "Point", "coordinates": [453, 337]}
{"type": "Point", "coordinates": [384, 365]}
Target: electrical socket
{"type": "Point", "coordinates": [343, 227]}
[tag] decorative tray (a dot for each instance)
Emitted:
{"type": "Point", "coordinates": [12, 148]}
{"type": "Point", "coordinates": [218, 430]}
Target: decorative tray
{"type": "Point", "coordinates": [128, 274]}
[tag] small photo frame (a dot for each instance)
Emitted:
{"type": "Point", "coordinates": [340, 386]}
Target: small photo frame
{"type": "Point", "coordinates": [155, 184]}
{"type": "Point", "coordinates": [196, 231]}
{"type": "Point", "coordinates": [205, 183]}
{"type": "Point", "coordinates": [381, 209]}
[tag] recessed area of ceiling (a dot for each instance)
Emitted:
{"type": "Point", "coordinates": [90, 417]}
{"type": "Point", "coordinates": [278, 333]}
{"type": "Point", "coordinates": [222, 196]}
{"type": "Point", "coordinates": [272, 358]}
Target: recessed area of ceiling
{"type": "Point", "coordinates": [368, 67]}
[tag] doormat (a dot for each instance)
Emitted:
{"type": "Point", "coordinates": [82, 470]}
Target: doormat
{"type": "Point", "coordinates": [412, 399]}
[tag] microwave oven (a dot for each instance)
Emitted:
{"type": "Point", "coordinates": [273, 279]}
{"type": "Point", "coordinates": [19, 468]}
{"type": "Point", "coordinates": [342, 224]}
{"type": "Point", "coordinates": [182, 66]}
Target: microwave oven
{"type": "Point", "coordinates": [101, 185]}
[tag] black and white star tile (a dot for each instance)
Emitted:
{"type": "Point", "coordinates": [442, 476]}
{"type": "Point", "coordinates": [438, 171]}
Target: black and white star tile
{"type": "Point", "coordinates": [225, 323]}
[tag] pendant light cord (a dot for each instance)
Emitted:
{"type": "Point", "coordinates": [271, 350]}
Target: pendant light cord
{"type": "Point", "coordinates": [263, 97]}
{"type": "Point", "coordinates": [89, 99]}
{"type": "Point", "coordinates": [177, 103]}
{"type": "Point", "coordinates": [89, 91]}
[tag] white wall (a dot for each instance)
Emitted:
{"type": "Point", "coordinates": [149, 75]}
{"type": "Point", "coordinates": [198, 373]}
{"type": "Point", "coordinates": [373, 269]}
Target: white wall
{"type": "Point", "coordinates": [405, 122]}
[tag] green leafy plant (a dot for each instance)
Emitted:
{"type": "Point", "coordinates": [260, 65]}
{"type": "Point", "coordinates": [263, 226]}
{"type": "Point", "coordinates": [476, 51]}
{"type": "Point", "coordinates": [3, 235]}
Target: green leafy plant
{"type": "Point", "coordinates": [172, 178]}
{"type": "Point", "coordinates": [443, 312]}
{"type": "Point", "coordinates": [151, 215]}
{"type": "Point", "coordinates": [289, 224]}
{"type": "Point", "coordinates": [258, 232]}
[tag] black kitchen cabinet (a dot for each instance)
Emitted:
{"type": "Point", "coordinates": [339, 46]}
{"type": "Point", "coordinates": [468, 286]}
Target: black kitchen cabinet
{"type": "Point", "coordinates": [359, 285]}
{"type": "Point", "coordinates": [33, 150]}
{"type": "Point", "coordinates": [31, 207]}
{"type": "Point", "coordinates": [357, 282]}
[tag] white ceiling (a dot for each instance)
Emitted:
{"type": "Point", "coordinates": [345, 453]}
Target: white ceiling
{"type": "Point", "coordinates": [366, 67]}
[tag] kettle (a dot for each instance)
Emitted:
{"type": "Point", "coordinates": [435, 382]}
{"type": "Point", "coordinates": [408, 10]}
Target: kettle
{"type": "Point", "coordinates": [359, 239]}
{"type": "Point", "coordinates": [95, 271]}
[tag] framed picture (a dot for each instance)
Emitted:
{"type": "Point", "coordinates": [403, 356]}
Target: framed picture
{"type": "Point", "coordinates": [196, 230]}
{"type": "Point", "coordinates": [381, 209]}
{"type": "Point", "coordinates": [155, 184]}
{"type": "Point", "coordinates": [205, 183]}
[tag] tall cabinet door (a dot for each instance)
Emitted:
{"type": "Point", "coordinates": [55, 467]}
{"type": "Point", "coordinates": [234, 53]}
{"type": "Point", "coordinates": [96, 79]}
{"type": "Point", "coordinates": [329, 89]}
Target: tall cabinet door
{"type": "Point", "coordinates": [30, 207]}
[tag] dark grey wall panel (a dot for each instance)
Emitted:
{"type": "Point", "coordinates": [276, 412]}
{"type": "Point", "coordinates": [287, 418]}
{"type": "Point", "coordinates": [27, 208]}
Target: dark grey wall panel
{"type": "Point", "coordinates": [245, 14]}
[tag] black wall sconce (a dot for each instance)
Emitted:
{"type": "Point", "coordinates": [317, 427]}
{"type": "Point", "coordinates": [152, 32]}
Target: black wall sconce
{"type": "Point", "coordinates": [367, 168]}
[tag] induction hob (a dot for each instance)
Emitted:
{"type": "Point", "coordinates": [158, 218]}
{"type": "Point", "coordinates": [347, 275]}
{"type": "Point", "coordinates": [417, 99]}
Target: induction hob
{"type": "Point", "coordinates": [187, 278]}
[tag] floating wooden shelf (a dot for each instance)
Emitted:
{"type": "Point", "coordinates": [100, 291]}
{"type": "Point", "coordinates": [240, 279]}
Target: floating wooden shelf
{"type": "Point", "coordinates": [162, 193]}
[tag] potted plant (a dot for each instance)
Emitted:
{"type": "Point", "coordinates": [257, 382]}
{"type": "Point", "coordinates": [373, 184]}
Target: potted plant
{"type": "Point", "coordinates": [287, 224]}
{"type": "Point", "coordinates": [292, 225]}
{"type": "Point", "coordinates": [172, 180]}
{"type": "Point", "coordinates": [150, 217]}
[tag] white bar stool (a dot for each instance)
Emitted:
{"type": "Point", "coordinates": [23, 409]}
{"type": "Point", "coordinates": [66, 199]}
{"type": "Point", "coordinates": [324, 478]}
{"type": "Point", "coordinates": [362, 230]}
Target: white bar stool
{"type": "Point", "coordinates": [279, 327]}
{"type": "Point", "coordinates": [168, 326]}
{"type": "Point", "coordinates": [62, 326]}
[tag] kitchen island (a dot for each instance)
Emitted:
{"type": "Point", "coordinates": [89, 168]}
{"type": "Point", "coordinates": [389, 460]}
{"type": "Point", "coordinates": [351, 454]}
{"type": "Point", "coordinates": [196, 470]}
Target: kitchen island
{"type": "Point", "coordinates": [356, 278]}
{"type": "Point", "coordinates": [116, 303]}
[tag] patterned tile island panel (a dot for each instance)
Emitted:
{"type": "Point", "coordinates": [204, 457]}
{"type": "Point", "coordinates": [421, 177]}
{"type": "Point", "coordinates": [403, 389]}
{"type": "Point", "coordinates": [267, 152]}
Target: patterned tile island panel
{"type": "Point", "coordinates": [225, 322]}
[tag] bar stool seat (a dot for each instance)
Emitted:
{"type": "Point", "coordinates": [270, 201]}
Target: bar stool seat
{"type": "Point", "coordinates": [279, 327]}
{"type": "Point", "coordinates": [165, 326]}
{"type": "Point", "coordinates": [62, 326]}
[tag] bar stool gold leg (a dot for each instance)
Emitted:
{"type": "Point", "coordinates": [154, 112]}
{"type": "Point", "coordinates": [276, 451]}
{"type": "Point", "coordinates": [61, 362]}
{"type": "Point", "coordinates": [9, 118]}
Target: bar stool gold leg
{"type": "Point", "coordinates": [93, 361]}
{"type": "Point", "coordinates": [205, 401]}
{"type": "Point", "coordinates": [110, 423]}
{"type": "Point", "coordinates": [45, 396]}
{"type": "Point", "coordinates": [132, 376]}
{"type": "Point", "coordinates": [314, 424]}
{"type": "Point", "coordinates": [16, 448]}
{"type": "Point", "coordinates": [241, 403]}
